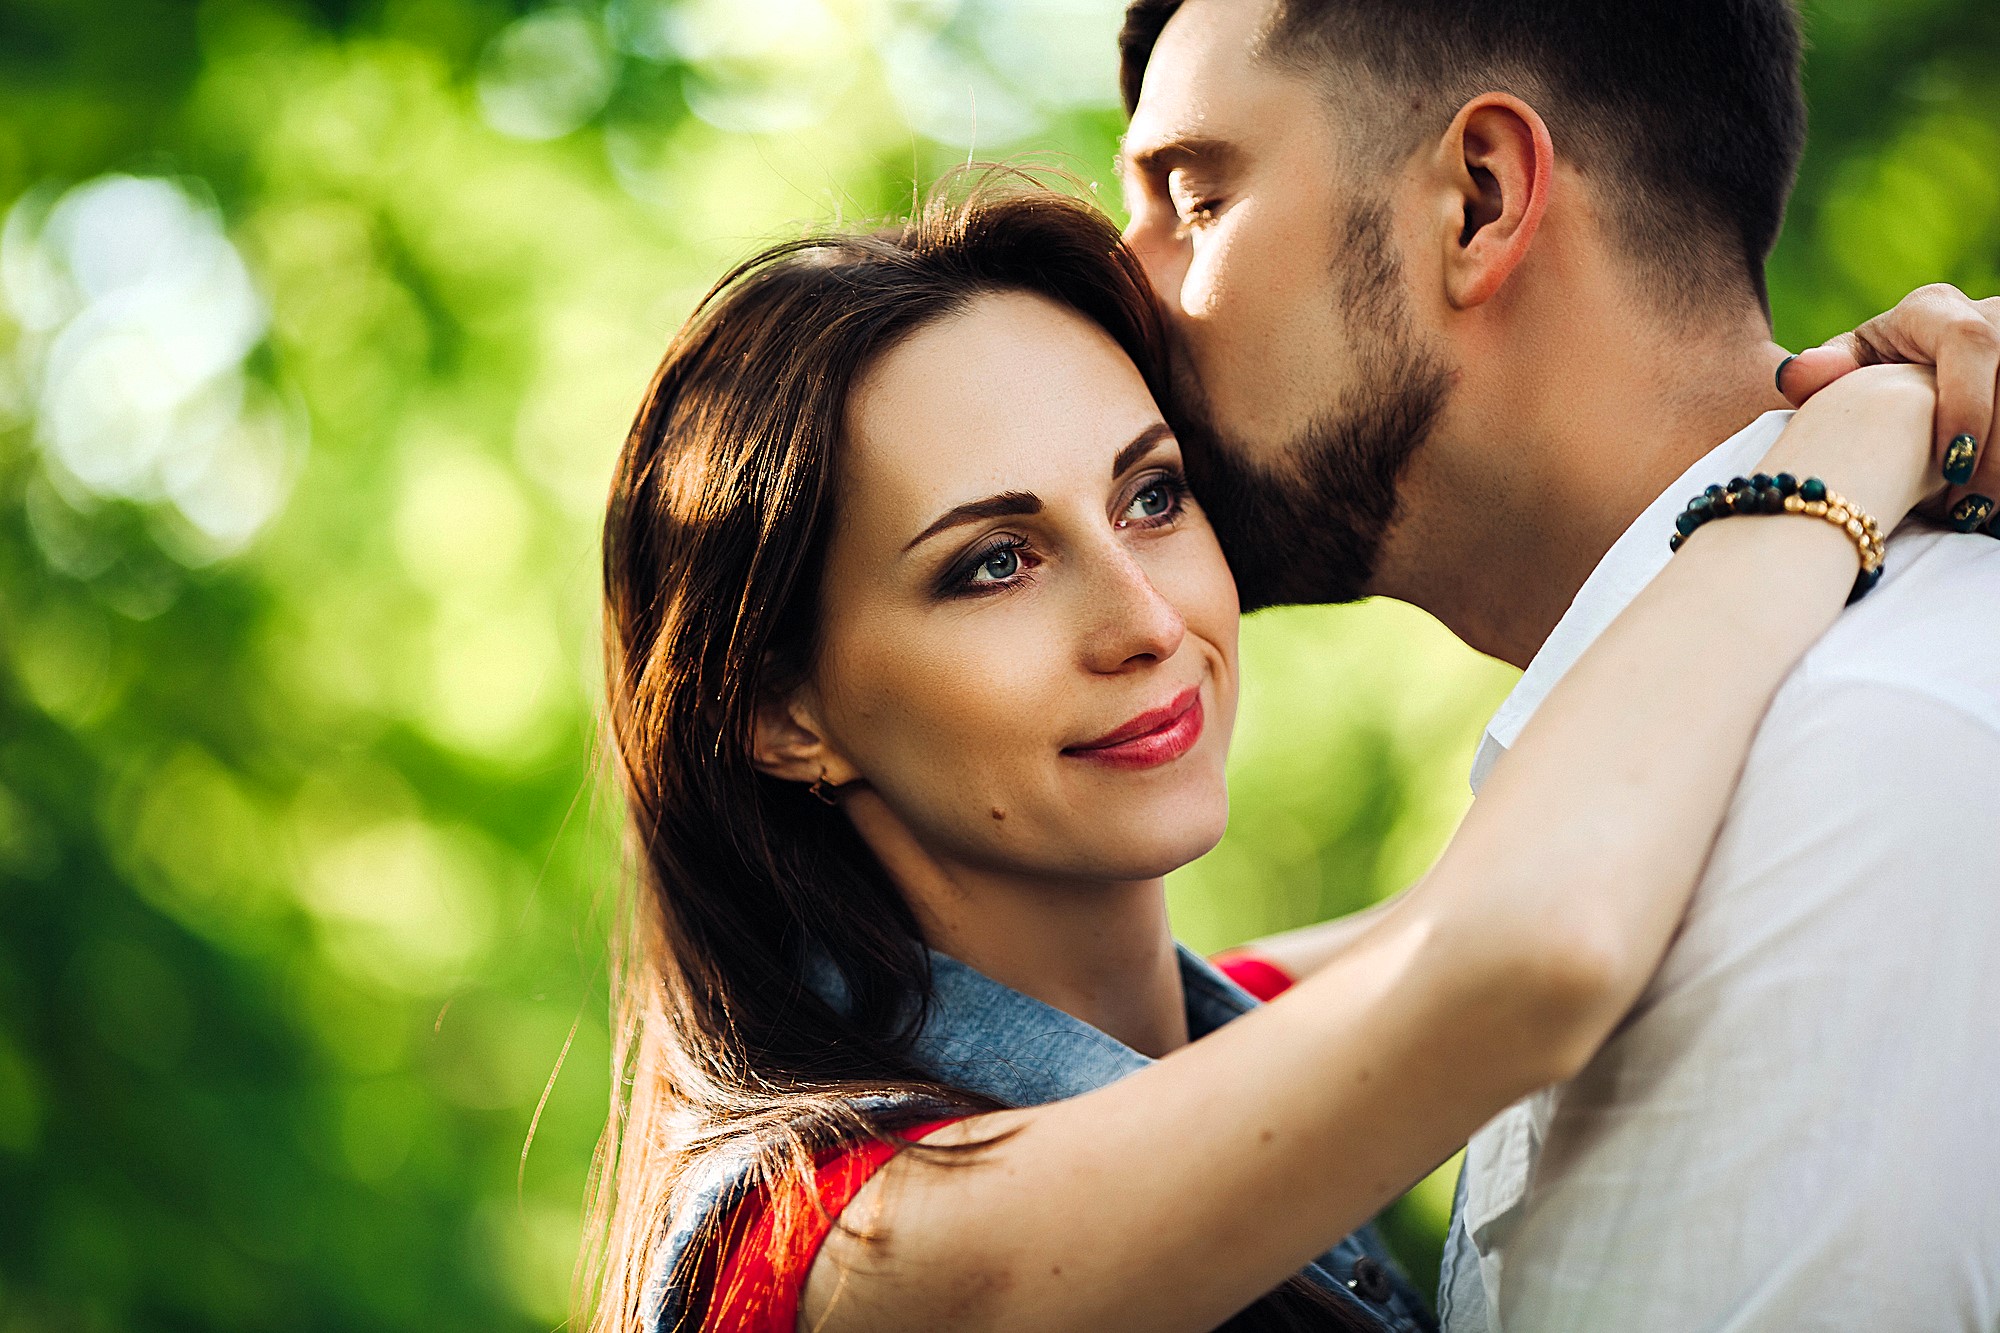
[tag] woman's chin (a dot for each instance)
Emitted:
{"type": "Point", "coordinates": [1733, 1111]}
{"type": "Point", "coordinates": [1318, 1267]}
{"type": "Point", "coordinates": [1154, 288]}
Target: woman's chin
{"type": "Point", "coordinates": [1146, 840]}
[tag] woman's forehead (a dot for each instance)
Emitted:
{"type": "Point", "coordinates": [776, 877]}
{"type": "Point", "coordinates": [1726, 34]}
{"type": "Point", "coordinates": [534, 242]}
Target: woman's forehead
{"type": "Point", "coordinates": [1015, 392]}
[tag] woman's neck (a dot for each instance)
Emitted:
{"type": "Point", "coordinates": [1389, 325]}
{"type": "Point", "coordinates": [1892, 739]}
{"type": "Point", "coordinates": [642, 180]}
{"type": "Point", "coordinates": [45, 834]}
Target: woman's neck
{"type": "Point", "coordinates": [1100, 952]}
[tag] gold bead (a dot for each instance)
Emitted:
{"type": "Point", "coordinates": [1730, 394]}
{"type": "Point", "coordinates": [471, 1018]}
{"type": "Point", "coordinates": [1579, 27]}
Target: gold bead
{"type": "Point", "coordinates": [1793, 504]}
{"type": "Point", "coordinates": [1854, 528]}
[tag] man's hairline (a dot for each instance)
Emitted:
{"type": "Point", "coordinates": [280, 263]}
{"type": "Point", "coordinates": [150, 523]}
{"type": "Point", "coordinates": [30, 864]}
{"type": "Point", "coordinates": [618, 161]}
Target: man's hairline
{"type": "Point", "coordinates": [1311, 69]}
{"type": "Point", "coordinates": [1313, 66]}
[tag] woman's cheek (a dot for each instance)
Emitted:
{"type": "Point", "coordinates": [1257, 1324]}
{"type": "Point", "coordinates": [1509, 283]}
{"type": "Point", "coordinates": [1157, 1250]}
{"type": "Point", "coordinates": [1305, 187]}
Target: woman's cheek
{"type": "Point", "coordinates": [998, 687]}
{"type": "Point", "coordinates": [1190, 571]}
{"type": "Point", "coordinates": [952, 700]}
{"type": "Point", "coordinates": [961, 733]}
{"type": "Point", "coordinates": [1218, 610]}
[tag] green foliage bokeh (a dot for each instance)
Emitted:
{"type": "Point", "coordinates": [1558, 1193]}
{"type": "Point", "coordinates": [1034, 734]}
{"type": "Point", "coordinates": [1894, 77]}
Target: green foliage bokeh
{"type": "Point", "coordinates": [320, 321]}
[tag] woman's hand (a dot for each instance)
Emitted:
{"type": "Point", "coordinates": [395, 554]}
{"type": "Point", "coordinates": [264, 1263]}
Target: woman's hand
{"type": "Point", "coordinates": [1936, 326]}
{"type": "Point", "coordinates": [1869, 436]}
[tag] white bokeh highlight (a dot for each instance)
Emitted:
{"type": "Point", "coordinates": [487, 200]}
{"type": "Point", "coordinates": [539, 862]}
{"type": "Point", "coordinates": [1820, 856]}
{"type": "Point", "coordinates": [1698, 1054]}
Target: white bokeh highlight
{"type": "Point", "coordinates": [974, 74]}
{"type": "Point", "coordinates": [546, 74]}
{"type": "Point", "coordinates": [136, 317]}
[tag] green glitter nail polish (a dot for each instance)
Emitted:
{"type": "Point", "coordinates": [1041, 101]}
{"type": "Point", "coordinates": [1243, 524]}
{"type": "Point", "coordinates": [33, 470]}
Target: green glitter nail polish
{"type": "Point", "coordinates": [1959, 457]}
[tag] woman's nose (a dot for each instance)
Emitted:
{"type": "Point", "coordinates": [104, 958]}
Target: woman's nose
{"type": "Point", "coordinates": [1130, 622]}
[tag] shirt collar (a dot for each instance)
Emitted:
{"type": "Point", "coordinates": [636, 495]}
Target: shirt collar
{"type": "Point", "coordinates": [1626, 568]}
{"type": "Point", "coordinates": [988, 1037]}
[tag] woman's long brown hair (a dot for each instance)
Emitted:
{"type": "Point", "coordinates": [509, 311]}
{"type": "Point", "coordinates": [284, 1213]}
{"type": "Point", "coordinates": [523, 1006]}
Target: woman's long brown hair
{"type": "Point", "coordinates": [717, 524]}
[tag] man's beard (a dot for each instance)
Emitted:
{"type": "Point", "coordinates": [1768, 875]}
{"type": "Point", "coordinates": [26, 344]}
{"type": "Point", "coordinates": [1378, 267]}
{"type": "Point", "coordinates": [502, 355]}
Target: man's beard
{"type": "Point", "coordinates": [1308, 525]}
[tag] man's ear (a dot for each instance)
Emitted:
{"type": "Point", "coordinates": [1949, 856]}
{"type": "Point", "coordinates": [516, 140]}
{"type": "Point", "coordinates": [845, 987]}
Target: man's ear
{"type": "Point", "coordinates": [1498, 162]}
{"type": "Point", "coordinates": [788, 742]}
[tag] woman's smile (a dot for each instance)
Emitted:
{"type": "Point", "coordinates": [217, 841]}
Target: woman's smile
{"type": "Point", "coordinates": [1155, 737]}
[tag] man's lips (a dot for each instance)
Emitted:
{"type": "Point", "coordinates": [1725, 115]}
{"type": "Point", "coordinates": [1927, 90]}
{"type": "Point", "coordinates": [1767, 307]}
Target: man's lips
{"type": "Point", "coordinates": [1153, 737]}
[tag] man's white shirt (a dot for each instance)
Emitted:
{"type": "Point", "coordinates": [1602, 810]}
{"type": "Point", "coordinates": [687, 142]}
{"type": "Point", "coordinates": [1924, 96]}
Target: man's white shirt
{"type": "Point", "coordinates": [1798, 1126]}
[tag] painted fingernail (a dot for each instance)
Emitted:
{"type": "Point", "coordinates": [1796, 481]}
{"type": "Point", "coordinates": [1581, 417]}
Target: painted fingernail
{"type": "Point", "coordinates": [1959, 456]}
{"type": "Point", "coordinates": [1780, 376]}
{"type": "Point", "coordinates": [1970, 512]}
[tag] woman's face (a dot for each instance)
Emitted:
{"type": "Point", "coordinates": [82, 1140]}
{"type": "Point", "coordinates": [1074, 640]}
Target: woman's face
{"type": "Point", "coordinates": [1028, 638]}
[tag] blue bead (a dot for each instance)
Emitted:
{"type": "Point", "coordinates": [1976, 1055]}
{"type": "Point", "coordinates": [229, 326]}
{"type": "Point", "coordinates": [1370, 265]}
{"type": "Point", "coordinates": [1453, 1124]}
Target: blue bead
{"type": "Point", "coordinates": [1687, 523]}
{"type": "Point", "coordinates": [1762, 481]}
{"type": "Point", "coordinates": [1812, 490]}
{"type": "Point", "coordinates": [1787, 483]}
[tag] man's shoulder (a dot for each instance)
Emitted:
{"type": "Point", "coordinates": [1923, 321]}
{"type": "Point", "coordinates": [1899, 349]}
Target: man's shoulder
{"type": "Point", "coordinates": [1930, 629]}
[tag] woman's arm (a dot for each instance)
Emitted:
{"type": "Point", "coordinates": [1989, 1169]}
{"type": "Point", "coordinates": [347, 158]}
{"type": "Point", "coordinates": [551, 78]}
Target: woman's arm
{"type": "Point", "coordinates": [1937, 326]}
{"type": "Point", "coordinates": [1172, 1198]}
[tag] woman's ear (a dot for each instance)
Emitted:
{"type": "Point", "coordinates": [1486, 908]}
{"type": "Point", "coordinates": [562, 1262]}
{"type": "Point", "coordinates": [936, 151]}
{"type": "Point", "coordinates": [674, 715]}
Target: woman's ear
{"type": "Point", "coordinates": [788, 742]}
{"type": "Point", "coordinates": [1499, 164]}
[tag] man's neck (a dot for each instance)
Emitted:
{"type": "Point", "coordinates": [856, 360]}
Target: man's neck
{"type": "Point", "coordinates": [1515, 500]}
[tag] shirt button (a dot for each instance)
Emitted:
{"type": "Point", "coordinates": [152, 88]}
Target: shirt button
{"type": "Point", "coordinates": [1370, 1281]}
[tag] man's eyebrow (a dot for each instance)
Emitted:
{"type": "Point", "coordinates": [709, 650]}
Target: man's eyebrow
{"type": "Point", "coordinates": [973, 511]}
{"type": "Point", "coordinates": [1179, 150]}
{"type": "Point", "coordinates": [1142, 444]}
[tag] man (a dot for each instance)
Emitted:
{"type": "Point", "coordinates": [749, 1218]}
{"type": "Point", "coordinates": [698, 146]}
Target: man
{"type": "Point", "coordinates": [1468, 300]}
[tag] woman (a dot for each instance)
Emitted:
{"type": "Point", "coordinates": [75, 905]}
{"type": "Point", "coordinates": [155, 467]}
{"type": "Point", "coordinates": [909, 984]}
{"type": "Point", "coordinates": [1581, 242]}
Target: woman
{"type": "Point", "coordinates": [922, 666]}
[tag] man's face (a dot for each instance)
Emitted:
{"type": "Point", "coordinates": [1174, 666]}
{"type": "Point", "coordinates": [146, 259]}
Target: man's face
{"type": "Point", "coordinates": [1301, 386]}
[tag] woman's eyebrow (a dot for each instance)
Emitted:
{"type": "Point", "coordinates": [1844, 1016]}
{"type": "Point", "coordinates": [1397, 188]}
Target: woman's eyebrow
{"type": "Point", "coordinates": [1141, 445]}
{"type": "Point", "coordinates": [973, 511]}
{"type": "Point", "coordinates": [1009, 503]}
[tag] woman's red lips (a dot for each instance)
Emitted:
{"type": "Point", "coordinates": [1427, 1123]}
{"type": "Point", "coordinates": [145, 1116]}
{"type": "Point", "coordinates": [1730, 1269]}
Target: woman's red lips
{"type": "Point", "coordinates": [1153, 737]}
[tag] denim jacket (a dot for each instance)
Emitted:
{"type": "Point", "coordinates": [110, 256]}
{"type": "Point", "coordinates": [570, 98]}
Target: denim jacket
{"type": "Point", "coordinates": [993, 1039]}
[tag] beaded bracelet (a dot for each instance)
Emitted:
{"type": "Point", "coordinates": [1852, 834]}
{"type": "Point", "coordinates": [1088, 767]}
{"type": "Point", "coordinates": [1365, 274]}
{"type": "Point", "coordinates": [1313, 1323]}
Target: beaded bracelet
{"type": "Point", "coordinates": [1786, 494]}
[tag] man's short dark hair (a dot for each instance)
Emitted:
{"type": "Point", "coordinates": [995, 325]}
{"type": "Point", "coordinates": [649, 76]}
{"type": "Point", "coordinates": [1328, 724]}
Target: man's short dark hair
{"type": "Point", "coordinates": [1689, 113]}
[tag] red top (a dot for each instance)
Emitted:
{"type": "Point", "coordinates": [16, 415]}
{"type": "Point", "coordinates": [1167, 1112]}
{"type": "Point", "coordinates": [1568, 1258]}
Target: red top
{"type": "Point", "coordinates": [758, 1288]}
{"type": "Point", "coordinates": [1260, 976]}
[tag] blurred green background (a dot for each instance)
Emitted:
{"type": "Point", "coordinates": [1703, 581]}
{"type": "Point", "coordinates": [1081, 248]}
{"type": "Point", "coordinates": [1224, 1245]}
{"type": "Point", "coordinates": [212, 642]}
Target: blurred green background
{"type": "Point", "coordinates": [320, 321]}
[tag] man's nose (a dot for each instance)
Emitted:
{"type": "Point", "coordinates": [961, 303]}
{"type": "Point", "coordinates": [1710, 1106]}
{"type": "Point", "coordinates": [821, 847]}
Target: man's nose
{"type": "Point", "coordinates": [1131, 623]}
{"type": "Point", "coordinates": [1164, 257]}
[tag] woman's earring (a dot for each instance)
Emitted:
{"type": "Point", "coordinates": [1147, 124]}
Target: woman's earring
{"type": "Point", "coordinates": [822, 789]}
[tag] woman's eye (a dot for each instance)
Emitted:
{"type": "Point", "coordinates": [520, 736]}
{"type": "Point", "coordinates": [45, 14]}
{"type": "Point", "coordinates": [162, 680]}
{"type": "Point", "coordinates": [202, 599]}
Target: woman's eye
{"type": "Point", "coordinates": [1007, 563]}
{"type": "Point", "coordinates": [998, 567]}
{"type": "Point", "coordinates": [1157, 499]}
{"type": "Point", "coordinates": [1151, 502]}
